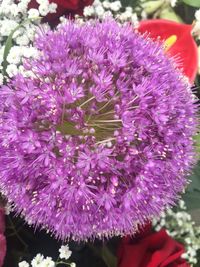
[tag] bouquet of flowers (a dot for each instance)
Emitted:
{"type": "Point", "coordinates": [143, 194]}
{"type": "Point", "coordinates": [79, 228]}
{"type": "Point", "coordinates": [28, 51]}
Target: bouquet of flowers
{"type": "Point", "coordinates": [99, 133]}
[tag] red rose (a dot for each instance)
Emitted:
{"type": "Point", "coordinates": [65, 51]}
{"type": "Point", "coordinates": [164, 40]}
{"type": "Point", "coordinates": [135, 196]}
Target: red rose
{"type": "Point", "coordinates": [64, 7]}
{"type": "Point", "coordinates": [184, 48]}
{"type": "Point", "coordinates": [151, 250]}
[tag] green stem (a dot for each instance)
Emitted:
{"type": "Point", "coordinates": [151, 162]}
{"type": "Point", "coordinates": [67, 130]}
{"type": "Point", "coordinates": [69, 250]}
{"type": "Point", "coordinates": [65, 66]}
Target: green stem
{"type": "Point", "coordinates": [62, 262]}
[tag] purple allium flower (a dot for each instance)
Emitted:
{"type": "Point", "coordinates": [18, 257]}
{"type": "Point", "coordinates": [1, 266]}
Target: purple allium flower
{"type": "Point", "coordinates": [99, 138]}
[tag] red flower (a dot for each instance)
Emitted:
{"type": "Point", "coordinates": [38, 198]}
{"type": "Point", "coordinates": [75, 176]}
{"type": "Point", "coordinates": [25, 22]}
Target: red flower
{"type": "Point", "coordinates": [2, 237]}
{"type": "Point", "coordinates": [184, 48]}
{"type": "Point", "coordinates": [151, 250]}
{"type": "Point", "coordinates": [64, 7]}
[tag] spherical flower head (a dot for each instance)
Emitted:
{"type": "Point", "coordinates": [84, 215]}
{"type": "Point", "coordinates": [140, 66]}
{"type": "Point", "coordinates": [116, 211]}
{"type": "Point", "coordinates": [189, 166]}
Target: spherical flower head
{"type": "Point", "coordinates": [99, 138]}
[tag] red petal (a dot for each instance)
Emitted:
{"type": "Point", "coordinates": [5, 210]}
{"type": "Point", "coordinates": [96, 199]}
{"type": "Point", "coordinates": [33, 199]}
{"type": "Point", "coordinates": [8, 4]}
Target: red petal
{"type": "Point", "coordinates": [184, 49]}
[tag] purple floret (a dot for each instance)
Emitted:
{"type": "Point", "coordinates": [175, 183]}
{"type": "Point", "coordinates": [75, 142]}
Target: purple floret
{"type": "Point", "coordinates": [99, 138]}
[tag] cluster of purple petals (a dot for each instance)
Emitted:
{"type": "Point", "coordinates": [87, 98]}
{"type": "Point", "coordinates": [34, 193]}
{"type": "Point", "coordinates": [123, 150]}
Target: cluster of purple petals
{"type": "Point", "coordinates": [99, 138]}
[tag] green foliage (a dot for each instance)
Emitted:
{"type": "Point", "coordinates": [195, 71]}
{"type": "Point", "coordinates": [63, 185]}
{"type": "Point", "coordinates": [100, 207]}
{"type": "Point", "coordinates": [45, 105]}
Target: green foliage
{"type": "Point", "coordinates": [169, 13]}
{"type": "Point", "coordinates": [197, 141]}
{"type": "Point", "coordinates": [132, 3]}
{"type": "Point", "coordinates": [194, 3]}
{"type": "Point", "coordinates": [192, 195]}
{"type": "Point", "coordinates": [192, 200]}
{"type": "Point", "coordinates": [152, 6]}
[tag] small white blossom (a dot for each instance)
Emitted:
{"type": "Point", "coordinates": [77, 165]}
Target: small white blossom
{"type": "Point", "coordinates": [173, 3]}
{"type": "Point", "coordinates": [22, 40]}
{"type": "Point", "coordinates": [48, 262]}
{"type": "Point", "coordinates": [14, 55]}
{"type": "Point", "coordinates": [7, 26]}
{"type": "Point", "coordinates": [43, 10]}
{"type": "Point", "coordinates": [129, 9]}
{"type": "Point", "coordinates": [1, 79]}
{"type": "Point", "coordinates": [99, 11]}
{"type": "Point", "coordinates": [65, 252]}
{"type": "Point", "coordinates": [115, 6]}
{"type": "Point", "coordinates": [108, 14]}
{"type": "Point", "coordinates": [73, 264]}
{"type": "Point", "coordinates": [37, 260]}
{"type": "Point", "coordinates": [12, 70]}
{"type": "Point", "coordinates": [106, 4]}
{"type": "Point", "coordinates": [196, 27]}
{"type": "Point", "coordinates": [88, 11]}
{"type": "Point", "coordinates": [143, 14]}
{"type": "Point", "coordinates": [134, 19]}
{"type": "Point", "coordinates": [23, 264]}
{"type": "Point", "coordinates": [197, 14]}
{"type": "Point", "coordinates": [53, 7]}
{"type": "Point", "coordinates": [42, 2]}
{"type": "Point", "coordinates": [33, 13]}
{"type": "Point", "coordinates": [29, 52]}
{"type": "Point", "coordinates": [96, 3]}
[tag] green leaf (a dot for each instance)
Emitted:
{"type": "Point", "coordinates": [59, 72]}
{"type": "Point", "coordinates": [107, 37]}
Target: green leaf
{"type": "Point", "coordinates": [108, 257]}
{"type": "Point", "coordinates": [151, 6]}
{"type": "Point", "coordinates": [169, 14]}
{"type": "Point", "coordinates": [192, 195]}
{"type": "Point", "coordinates": [197, 142]}
{"type": "Point", "coordinates": [195, 179]}
{"type": "Point", "coordinates": [194, 3]}
{"type": "Point", "coordinates": [192, 200]}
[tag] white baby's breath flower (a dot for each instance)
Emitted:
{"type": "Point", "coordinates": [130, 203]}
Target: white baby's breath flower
{"type": "Point", "coordinates": [23, 264]}
{"type": "Point", "coordinates": [1, 79]}
{"type": "Point", "coordinates": [22, 40]}
{"type": "Point", "coordinates": [7, 26]}
{"type": "Point", "coordinates": [99, 10]}
{"type": "Point", "coordinates": [197, 14]}
{"type": "Point", "coordinates": [106, 4]}
{"type": "Point", "coordinates": [129, 9]}
{"type": "Point", "coordinates": [143, 14]}
{"type": "Point", "coordinates": [29, 52]}
{"type": "Point", "coordinates": [12, 70]}
{"type": "Point", "coordinates": [134, 19]}
{"type": "Point", "coordinates": [37, 260]}
{"type": "Point", "coordinates": [173, 3]}
{"type": "Point", "coordinates": [48, 262]}
{"type": "Point", "coordinates": [73, 264]}
{"type": "Point", "coordinates": [22, 6]}
{"type": "Point", "coordinates": [88, 11]}
{"type": "Point", "coordinates": [43, 9]}
{"type": "Point", "coordinates": [115, 6]}
{"type": "Point", "coordinates": [65, 252]}
{"type": "Point", "coordinates": [96, 3]}
{"type": "Point", "coordinates": [42, 2]}
{"type": "Point", "coordinates": [33, 13]}
{"type": "Point", "coordinates": [53, 7]}
{"type": "Point", "coordinates": [12, 15]}
{"type": "Point", "coordinates": [14, 55]}
{"type": "Point", "coordinates": [107, 14]}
